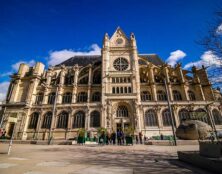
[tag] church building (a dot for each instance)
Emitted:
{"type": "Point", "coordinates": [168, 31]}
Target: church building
{"type": "Point", "coordinates": [114, 90]}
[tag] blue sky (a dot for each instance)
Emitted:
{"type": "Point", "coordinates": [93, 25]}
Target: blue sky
{"type": "Point", "coordinates": [40, 30]}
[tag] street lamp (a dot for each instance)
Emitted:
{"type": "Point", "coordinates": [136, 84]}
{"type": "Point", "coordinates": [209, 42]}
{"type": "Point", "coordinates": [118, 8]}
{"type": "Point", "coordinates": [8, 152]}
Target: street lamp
{"type": "Point", "coordinates": [53, 115]}
{"type": "Point", "coordinates": [171, 113]}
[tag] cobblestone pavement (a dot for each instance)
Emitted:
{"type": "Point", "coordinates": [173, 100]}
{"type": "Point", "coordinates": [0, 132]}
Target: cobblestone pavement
{"type": "Point", "coordinates": [76, 159]}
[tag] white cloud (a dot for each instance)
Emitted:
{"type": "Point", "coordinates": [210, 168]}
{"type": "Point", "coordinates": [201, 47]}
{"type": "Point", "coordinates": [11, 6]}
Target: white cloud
{"type": "Point", "coordinates": [6, 74]}
{"type": "Point", "coordinates": [219, 29]}
{"type": "Point", "coordinates": [3, 90]}
{"type": "Point", "coordinates": [56, 57]}
{"type": "Point", "coordinates": [206, 59]}
{"type": "Point", "coordinates": [15, 66]}
{"type": "Point", "coordinates": [175, 56]}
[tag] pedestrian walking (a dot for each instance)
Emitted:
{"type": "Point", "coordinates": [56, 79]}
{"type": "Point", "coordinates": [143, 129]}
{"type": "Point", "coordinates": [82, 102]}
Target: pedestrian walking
{"type": "Point", "coordinates": [161, 136]}
{"type": "Point", "coordinates": [119, 137]}
{"type": "Point", "coordinates": [137, 139]}
{"type": "Point", "coordinates": [114, 137]}
{"type": "Point", "coordinates": [140, 137]}
{"type": "Point", "coordinates": [122, 138]}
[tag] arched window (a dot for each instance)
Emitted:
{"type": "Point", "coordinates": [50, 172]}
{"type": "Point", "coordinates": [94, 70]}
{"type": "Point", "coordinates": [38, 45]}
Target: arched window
{"type": "Point", "coordinates": [55, 79]}
{"type": "Point", "coordinates": [201, 115]}
{"type": "Point", "coordinates": [191, 96]}
{"type": "Point", "coordinates": [150, 118]}
{"type": "Point", "coordinates": [177, 96]}
{"type": "Point", "coordinates": [96, 96]}
{"type": "Point", "coordinates": [62, 122]}
{"type": "Point", "coordinates": [79, 120]}
{"type": "Point", "coordinates": [47, 119]}
{"type": "Point", "coordinates": [125, 89]}
{"type": "Point", "coordinates": [51, 98]}
{"type": "Point", "coordinates": [184, 115]}
{"type": "Point", "coordinates": [82, 97]}
{"type": "Point", "coordinates": [117, 90]}
{"type": "Point", "coordinates": [167, 118]}
{"type": "Point", "coordinates": [67, 98]}
{"type": "Point", "coordinates": [122, 111]}
{"type": "Point", "coordinates": [39, 98]}
{"type": "Point", "coordinates": [95, 119]}
{"type": "Point", "coordinates": [217, 117]}
{"type": "Point", "coordinates": [84, 80]}
{"type": "Point", "coordinates": [145, 96]}
{"type": "Point", "coordinates": [121, 90]}
{"type": "Point", "coordinates": [97, 77]}
{"type": "Point", "coordinates": [33, 120]}
{"type": "Point", "coordinates": [161, 96]}
{"type": "Point", "coordinates": [69, 79]}
{"type": "Point", "coordinates": [129, 90]}
{"type": "Point", "coordinates": [114, 90]}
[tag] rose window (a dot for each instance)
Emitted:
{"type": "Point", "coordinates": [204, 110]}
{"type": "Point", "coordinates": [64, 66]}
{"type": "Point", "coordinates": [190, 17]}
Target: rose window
{"type": "Point", "coordinates": [120, 64]}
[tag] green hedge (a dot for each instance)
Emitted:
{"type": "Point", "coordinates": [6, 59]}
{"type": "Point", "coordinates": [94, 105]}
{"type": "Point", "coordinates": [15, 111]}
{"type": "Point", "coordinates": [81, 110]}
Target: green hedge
{"type": "Point", "coordinates": [165, 137]}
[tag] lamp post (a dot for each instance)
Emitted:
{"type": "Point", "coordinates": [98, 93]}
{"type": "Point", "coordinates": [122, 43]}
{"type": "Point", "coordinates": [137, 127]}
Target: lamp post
{"type": "Point", "coordinates": [53, 115]}
{"type": "Point", "coordinates": [212, 121]}
{"type": "Point", "coordinates": [171, 113]}
{"type": "Point", "coordinates": [3, 117]}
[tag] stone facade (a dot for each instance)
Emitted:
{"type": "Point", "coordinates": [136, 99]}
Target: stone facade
{"type": "Point", "coordinates": [116, 89]}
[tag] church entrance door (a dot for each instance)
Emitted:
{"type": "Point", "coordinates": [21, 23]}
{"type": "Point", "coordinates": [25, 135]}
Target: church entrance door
{"type": "Point", "coordinates": [10, 129]}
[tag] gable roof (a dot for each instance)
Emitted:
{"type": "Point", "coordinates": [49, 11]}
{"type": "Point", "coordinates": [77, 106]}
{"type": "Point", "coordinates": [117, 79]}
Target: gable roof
{"type": "Point", "coordinates": [153, 58]}
{"type": "Point", "coordinates": [84, 60]}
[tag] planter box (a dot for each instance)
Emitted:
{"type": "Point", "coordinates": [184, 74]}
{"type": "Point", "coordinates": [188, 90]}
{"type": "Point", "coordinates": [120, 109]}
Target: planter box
{"type": "Point", "coordinates": [81, 140]}
{"type": "Point", "coordinates": [129, 140]}
{"type": "Point", "coordinates": [209, 149]}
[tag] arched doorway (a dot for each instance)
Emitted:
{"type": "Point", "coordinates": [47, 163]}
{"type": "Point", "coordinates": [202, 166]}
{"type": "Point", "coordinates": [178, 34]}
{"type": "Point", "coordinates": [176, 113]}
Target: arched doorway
{"type": "Point", "coordinates": [123, 117]}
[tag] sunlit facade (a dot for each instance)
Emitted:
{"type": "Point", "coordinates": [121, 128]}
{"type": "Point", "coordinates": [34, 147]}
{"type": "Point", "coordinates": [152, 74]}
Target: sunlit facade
{"type": "Point", "coordinates": [116, 89]}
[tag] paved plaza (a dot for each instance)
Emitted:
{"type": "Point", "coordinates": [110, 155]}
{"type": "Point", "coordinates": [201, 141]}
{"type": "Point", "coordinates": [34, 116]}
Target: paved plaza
{"type": "Point", "coordinates": [77, 159]}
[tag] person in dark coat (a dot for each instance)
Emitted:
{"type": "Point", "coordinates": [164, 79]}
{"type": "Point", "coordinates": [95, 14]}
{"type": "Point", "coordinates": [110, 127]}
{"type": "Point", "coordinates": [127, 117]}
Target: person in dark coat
{"type": "Point", "coordinates": [114, 137]}
{"type": "Point", "coordinates": [122, 138]}
{"type": "Point", "coordinates": [161, 136]}
{"type": "Point", "coordinates": [141, 137]}
{"type": "Point", "coordinates": [119, 137]}
{"type": "Point", "coordinates": [137, 139]}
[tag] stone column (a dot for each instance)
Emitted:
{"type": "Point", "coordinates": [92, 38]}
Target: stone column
{"type": "Point", "coordinates": [45, 96]}
{"type": "Point", "coordinates": [182, 80]}
{"type": "Point", "coordinates": [166, 73]}
{"type": "Point", "coordinates": [74, 91]}
{"type": "Point", "coordinates": [109, 115]}
{"type": "Point", "coordinates": [177, 121]}
{"type": "Point", "coordinates": [142, 120]}
{"type": "Point", "coordinates": [48, 77]}
{"type": "Point", "coordinates": [59, 97]}
{"type": "Point", "coordinates": [32, 90]}
{"type": "Point", "coordinates": [69, 110]}
{"type": "Point", "coordinates": [15, 91]}
{"type": "Point", "coordinates": [104, 115]}
{"type": "Point", "coordinates": [158, 114]}
{"type": "Point", "coordinates": [54, 121]}
{"type": "Point", "coordinates": [89, 84]}
{"type": "Point", "coordinates": [26, 122]}
{"type": "Point", "coordinates": [137, 116]}
{"type": "Point", "coordinates": [201, 91]}
{"type": "Point", "coordinates": [87, 118]}
{"type": "Point", "coordinates": [62, 76]}
{"type": "Point", "coordinates": [38, 127]}
{"type": "Point", "coordinates": [152, 82]}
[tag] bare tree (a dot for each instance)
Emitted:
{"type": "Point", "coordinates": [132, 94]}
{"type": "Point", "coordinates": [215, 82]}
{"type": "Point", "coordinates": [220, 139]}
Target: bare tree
{"type": "Point", "coordinates": [213, 42]}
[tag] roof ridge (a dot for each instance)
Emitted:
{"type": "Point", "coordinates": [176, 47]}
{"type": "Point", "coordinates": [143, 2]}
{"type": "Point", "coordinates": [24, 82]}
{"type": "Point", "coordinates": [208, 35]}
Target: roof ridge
{"type": "Point", "coordinates": [147, 54]}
